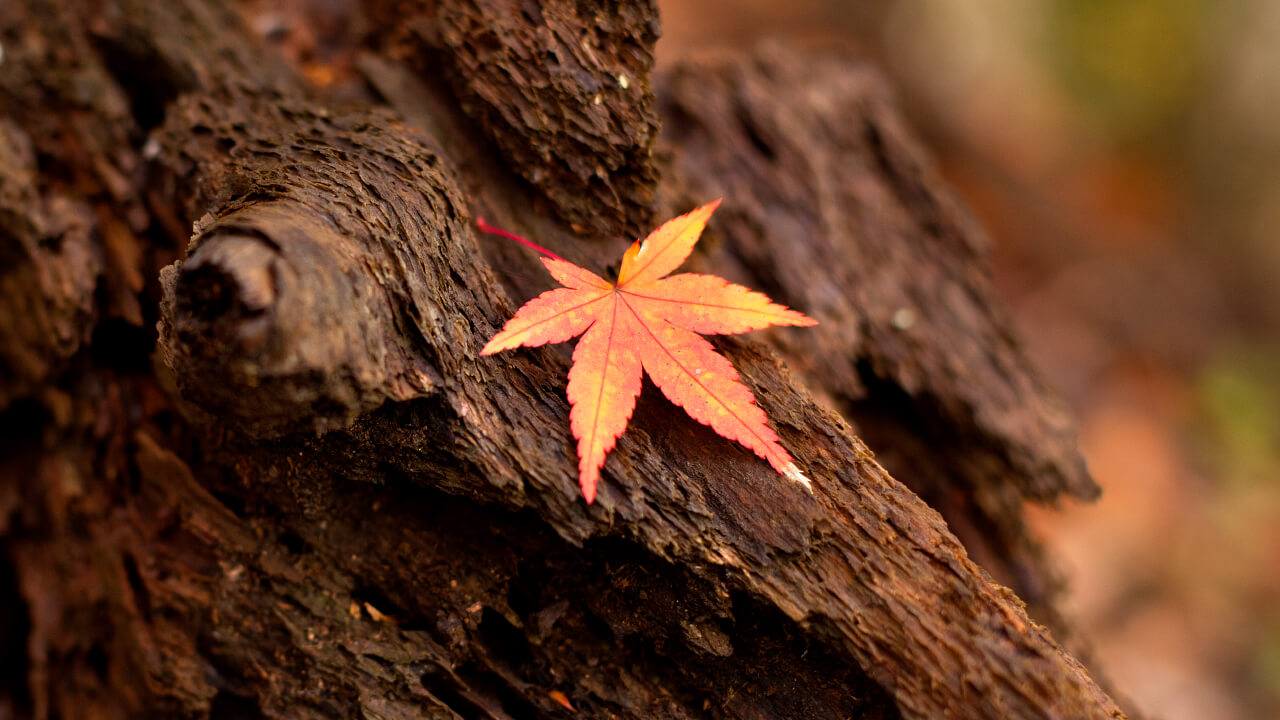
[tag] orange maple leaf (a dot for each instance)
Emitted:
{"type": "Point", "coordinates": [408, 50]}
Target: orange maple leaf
{"type": "Point", "coordinates": [650, 321]}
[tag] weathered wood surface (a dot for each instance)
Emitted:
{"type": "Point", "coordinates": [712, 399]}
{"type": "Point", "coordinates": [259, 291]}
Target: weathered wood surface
{"type": "Point", "coordinates": [317, 501]}
{"type": "Point", "coordinates": [560, 88]}
{"type": "Point", "coordinates": [836, 210]}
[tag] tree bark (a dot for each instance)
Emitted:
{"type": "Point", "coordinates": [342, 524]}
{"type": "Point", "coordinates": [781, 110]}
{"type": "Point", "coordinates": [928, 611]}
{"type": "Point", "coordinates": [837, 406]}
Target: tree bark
{"type": "Point", "coordinates": [254, 466]}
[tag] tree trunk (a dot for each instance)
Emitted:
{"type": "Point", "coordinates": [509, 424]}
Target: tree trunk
{"type": "Point", "coordinates": [253, 466]}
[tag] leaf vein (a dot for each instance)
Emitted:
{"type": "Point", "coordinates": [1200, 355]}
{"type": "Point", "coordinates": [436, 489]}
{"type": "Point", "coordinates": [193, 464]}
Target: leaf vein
{"type": "Point", "coordinates": [704, 304]}
{"type": "Point", "coordinates": [747, 426]}
{"type": "Point", "coordinates": [608, 350]}
{"type": "Point", "coordinates": [560, 314]}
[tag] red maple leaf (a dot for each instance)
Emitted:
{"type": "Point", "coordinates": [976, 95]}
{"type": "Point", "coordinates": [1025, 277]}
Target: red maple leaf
{"type": "Point", "coordinates": [651, 321]}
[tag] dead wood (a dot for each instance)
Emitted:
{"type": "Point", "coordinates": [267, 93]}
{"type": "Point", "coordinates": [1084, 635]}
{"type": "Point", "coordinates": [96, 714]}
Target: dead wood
{"type": "Point", "coordinates": [319, 501]}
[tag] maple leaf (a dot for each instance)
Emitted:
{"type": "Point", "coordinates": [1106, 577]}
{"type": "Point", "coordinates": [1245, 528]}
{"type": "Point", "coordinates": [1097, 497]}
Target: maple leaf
{"type": "Point", "coordinates": [651, 321]}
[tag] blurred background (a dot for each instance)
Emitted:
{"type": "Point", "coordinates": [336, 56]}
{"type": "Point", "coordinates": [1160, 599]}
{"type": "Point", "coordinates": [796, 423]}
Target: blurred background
{"type": "Point", "coordinates": [1124, 156]}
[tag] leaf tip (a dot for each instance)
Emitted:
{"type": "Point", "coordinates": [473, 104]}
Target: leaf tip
{"type": "Point", "coordinates": [792, 473]}
{"type": "Point", "coordinates": [704, 212]}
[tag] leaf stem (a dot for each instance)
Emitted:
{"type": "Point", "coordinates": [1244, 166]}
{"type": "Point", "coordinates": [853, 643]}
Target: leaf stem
{"type": "Point", "coordinates": [487, 228]}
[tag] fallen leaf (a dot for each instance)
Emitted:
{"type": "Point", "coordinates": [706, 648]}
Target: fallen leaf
{"type": "Point", "coordinates": [560, 698]}
{"type": "Point", "coordinates": [651, 321]}
{"type": "Point", "coordinates": [376, 614]}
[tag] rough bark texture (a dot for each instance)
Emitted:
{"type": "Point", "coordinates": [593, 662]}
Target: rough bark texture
{"type": "Point", "coordinates": [560, 88]}
{"type": "Point", "coordinates": [307, 496]}
{"type": "Point", "coordinates": [913, 347]}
